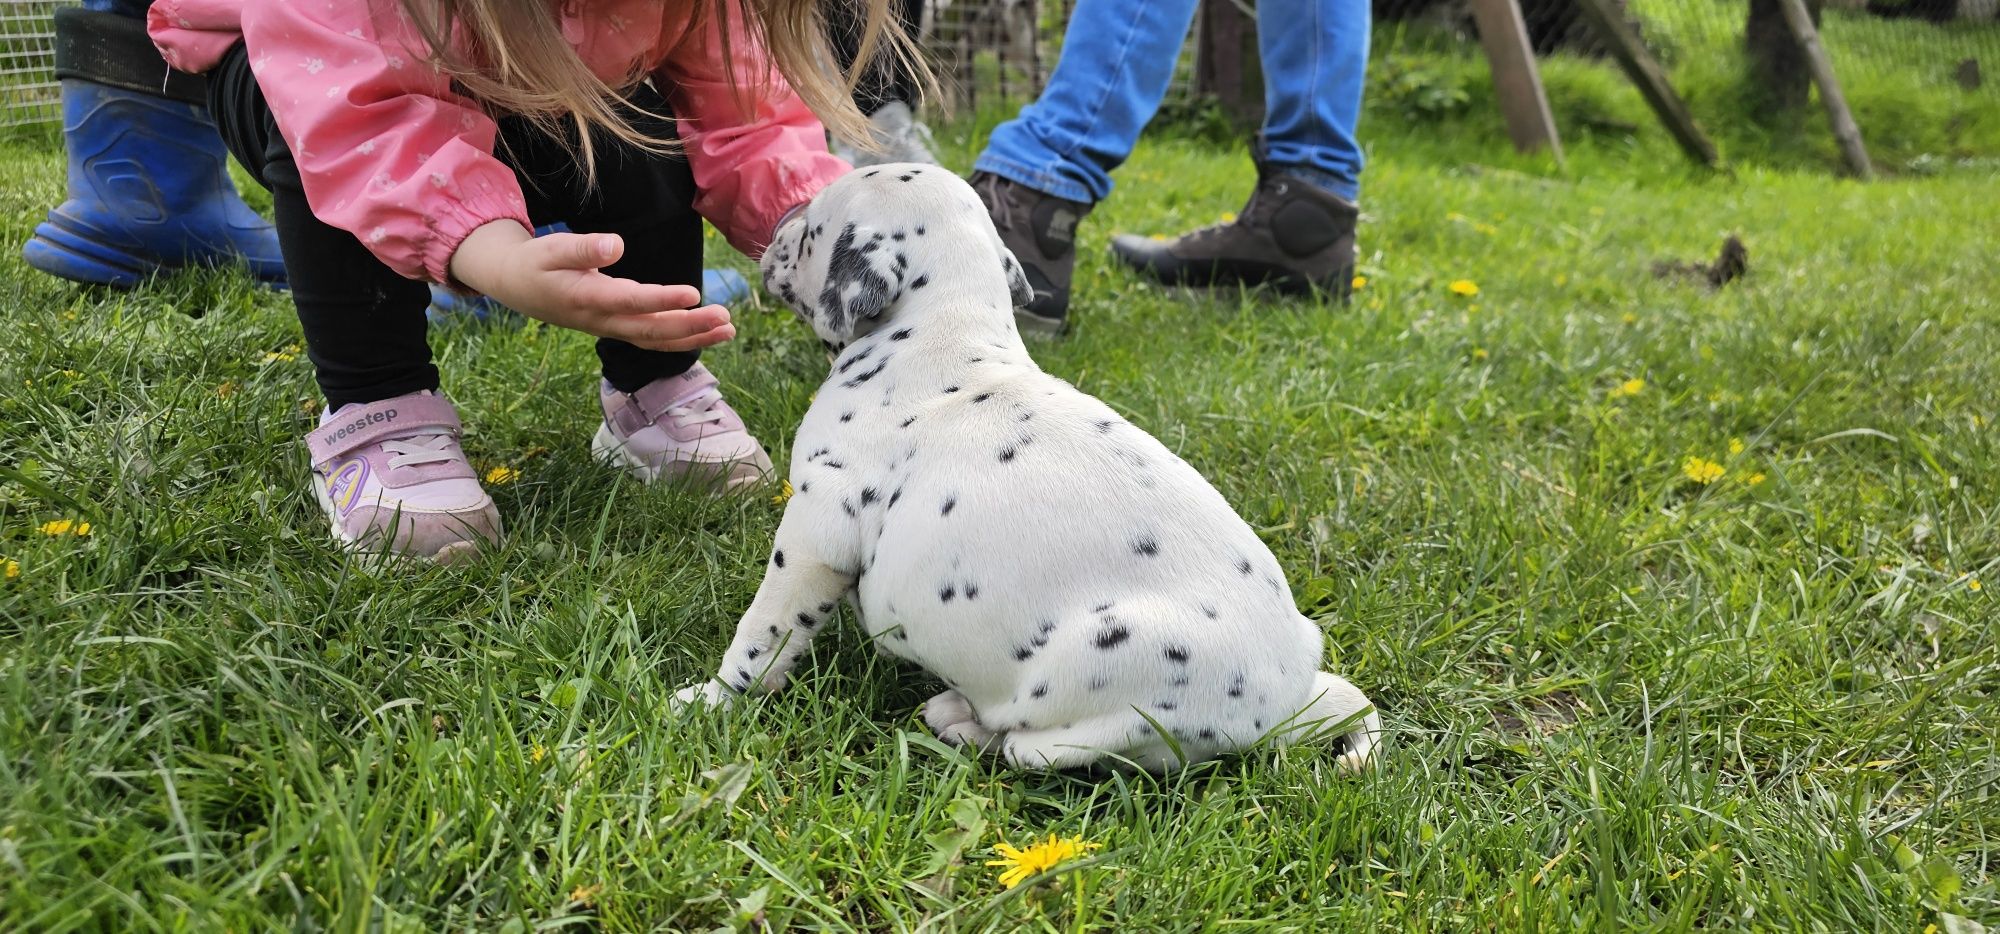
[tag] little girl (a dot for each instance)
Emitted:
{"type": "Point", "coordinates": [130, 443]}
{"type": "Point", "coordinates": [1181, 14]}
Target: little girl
{"type": "Point", "coordinates": [415, 141]}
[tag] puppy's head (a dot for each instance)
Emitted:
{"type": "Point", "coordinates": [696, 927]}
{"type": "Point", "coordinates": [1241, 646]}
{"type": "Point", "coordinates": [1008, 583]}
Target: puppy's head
{"type": "Point", "coordinates": [879, 236]}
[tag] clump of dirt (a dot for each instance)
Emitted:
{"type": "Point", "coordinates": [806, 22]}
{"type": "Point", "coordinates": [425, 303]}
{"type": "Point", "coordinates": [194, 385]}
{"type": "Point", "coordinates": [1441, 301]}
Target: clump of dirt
{"type": "Point", "coordinates": [1546, 715]}
{"type": "Point", "coordinates": [1731, 264]}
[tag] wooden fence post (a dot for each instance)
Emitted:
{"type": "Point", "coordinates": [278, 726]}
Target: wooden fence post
{"type": "Point", "coordinates": [1226, 64]}
{"type": "Point", "coordinates": [1646, 73]}
{"type": "Point", "coordinates": [1517, 82]}
{"type": "Point", "coordinates": [1844, 128]}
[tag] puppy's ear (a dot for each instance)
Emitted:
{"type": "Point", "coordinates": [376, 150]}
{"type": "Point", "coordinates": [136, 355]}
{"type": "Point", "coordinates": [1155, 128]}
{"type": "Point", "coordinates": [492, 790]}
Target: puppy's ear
{"type": "Point", "coordinates": [781, 261]}
{"type": "Point", "coordinates": [1017, 279]}
{"type": "Point", "coordinates": [858, 284]}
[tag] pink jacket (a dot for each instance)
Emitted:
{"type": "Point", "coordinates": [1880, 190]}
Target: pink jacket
{"type": "Point", "coordinates": [389, 153]}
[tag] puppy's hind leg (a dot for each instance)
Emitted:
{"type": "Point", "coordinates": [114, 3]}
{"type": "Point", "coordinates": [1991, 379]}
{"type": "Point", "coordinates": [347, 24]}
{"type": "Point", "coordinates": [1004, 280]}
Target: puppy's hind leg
{"type": "Point", "coordinates": [1337, 713]}
{"type": "Point", "coordinates": [1111, 739]}
{"type": "Point", "coordinates": [952, 718]}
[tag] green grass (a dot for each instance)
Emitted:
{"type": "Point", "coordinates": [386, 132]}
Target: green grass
{"type": "Point", "coordinates": [1618, 698]}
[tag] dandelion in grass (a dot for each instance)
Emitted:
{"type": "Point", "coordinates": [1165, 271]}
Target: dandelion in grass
{"type": "Point", "coordinates": [287, 355]}
{"type": "Point", "coordinates": [784, 493]}
{"type": "Point", "coordinates": [1702, 470]}
{"type": "Point", "coordinates": [1755, 479]}
{"type": "Point", "coordinates": [60, 527]}
{"type": "Point", "coordinates": [9, 568]}
{"type": "Point", "coordinates": [1971, 584]}
{"type": "Point", "coordinates": [1464, 287]}
{"type": "Point", "coordinates": [1038, 857]}
{"type": "Point", "coordinates": [1479, 353]}
{"type": "Point", "coordinates": [585, 895]}
{"type": "Point", "coordinates": [1359, 283]}
{"type": "Point", "coordinates": [1630, 387]}
{"type": "Point", "coordinates": [1735, 446]}
{"type": "Point", "coordinates": [225, 390]}
{"type": "Point", "coordinates": [502, 475]}
{"type": "Point", "coordinates": [537, 753]}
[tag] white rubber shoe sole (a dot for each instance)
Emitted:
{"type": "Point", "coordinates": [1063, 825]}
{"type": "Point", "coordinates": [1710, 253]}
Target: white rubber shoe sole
{"type": "Point", "coordinates": [730, 476]}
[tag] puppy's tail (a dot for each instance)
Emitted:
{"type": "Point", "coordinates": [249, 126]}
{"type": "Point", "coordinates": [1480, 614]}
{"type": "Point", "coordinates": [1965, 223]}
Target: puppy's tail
{"type": "Point", "coordinates": [1340, 714]}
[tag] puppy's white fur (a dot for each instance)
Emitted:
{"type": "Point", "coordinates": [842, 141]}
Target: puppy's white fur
{"type": "Point", "coordinates": [1077, 586]}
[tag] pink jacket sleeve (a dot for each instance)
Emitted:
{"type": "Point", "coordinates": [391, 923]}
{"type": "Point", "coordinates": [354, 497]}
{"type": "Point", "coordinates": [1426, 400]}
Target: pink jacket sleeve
{"type": "Point", "coordinates": [384, 148]}
{"type": "Point", "coordinates": [750, 165]}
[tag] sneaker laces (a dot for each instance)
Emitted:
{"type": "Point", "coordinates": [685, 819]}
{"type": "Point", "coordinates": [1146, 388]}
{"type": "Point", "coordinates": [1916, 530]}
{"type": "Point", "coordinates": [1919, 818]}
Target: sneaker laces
{"type": "Point", "coordinates": [422, 449]}
{"type": "Point", "coordinates": [698, 409]}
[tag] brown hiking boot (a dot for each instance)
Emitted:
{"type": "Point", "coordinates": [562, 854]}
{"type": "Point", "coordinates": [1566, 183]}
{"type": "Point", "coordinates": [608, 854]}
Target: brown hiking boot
{"type": "Point", "coordinates": [1292, 234]}
{"type": "Point", "coordinates": [1041, 230]}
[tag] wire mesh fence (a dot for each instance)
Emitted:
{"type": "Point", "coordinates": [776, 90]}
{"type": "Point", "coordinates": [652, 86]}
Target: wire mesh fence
{"type": "Point", "coordinates": [27, 62]}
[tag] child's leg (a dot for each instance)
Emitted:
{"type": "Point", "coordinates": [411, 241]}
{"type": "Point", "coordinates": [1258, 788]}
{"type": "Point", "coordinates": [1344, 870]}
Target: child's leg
{"type": "Point", "coordinates": [387, 466]}
{"type": "Point", "coordinates": [664, 416]}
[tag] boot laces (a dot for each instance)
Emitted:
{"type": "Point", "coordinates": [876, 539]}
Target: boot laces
{"type": "Point", "coordinates": [422, 449]}
{"type": "Point", "coordinates": [996, 200]}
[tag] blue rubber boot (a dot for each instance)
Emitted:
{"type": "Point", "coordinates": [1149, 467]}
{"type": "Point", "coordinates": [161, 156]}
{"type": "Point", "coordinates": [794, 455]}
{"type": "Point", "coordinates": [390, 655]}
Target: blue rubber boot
{"type": "Point", "coordinates": [149, 192]}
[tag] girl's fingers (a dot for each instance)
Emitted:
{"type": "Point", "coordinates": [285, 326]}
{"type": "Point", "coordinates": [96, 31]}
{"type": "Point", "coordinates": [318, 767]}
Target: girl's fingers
{"type": "Point", "coordinates": [673, 330]}
{"type": "Point", "coordinates": [605, 295]}
{"type": "Point", "coordinates": [581, 251]}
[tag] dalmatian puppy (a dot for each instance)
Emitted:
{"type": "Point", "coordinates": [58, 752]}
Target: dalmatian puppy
{"type": "Point", "coordinates": [1085, 594]}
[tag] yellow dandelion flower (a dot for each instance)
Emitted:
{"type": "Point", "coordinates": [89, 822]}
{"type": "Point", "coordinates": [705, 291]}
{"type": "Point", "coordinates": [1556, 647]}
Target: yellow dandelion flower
{"type": "Point", "coordinates": [1479, 353]}
{"type": "Point", "coordinates": [1702, 470]}
{"type": "Point", "coordinates": [1973, 585]}
{"type": "Point", "coordinates": [1736, 445]}
{"type": "Point", "coordinates": [1229, 217]}
{"type": "Point", "coordinates": [1359, 283]}
{"type": "Point", "coordinates": [1629, 318]}
{"type": "Point", "coordinates": [1755, 479]}
{"type": "Point", "coordinates": [585, 895]}
{"type": "Point", "coordinates": [1037, 858]}
{"type": "Point", "coordinates": [10, 568]}
{"type": "Point", "coordinates": [784, 493]}
{"type": "Point", "coordinates": [65, 527]}
{"type": "Point", "coordinates": [502, 475]}
{"type": "Point", "coordinates": [1630, 387]}
{"type": "Point", "coordinates": [1464, 287]}
{"type": "Point", "coordinates": [225, 390]}
{"type": "Point", "coordinates": [1486, 229]}
{"type": "Point", "coordinates": [537, 753]}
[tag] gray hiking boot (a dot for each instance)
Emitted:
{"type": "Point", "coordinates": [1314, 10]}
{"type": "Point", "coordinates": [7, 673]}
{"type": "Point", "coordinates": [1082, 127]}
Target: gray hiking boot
{"type": "Point", "coordinates": [1292, 235]}
{"type": "Point", "coordinates": [1041, 230]}
{"type": "Point", "coordinates": [901, 136]}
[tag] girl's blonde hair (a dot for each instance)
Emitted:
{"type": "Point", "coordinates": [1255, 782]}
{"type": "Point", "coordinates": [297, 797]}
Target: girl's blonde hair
{"type": "Point", "coordinates": [519, 63]}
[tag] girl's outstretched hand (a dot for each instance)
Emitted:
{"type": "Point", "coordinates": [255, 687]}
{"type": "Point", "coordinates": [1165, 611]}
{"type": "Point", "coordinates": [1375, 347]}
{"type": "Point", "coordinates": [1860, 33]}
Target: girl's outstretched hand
{"type": "Point", "coordinates": [555, 278]}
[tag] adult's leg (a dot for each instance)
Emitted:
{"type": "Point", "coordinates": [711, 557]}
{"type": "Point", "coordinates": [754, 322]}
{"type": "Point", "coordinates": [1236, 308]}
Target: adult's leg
{"type": "Point", "coordinates": [1315, 56]}
{"type": "Point", "coordinates": [148, 187]}
{"type": "Point", "coordinates": [364, 324]}
{"type": "Point", "coordinates": [1117, 59]}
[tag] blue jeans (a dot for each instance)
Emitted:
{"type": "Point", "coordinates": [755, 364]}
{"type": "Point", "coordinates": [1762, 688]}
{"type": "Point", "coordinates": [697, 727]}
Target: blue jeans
{"type": "Point", "coordinates": [132, 8]}
{"type": "Point", "coordinates": [1117, 59]}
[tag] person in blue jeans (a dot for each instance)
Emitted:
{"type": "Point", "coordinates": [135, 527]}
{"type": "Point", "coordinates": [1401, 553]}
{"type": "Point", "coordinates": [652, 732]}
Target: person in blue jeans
{"type": "Point", "coordinates": [1043, 171]}
{"type": "Point", "coordinates": [148, 178]}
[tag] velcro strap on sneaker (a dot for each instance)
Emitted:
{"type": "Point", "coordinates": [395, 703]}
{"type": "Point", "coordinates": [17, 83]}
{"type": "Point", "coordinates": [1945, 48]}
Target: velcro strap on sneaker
{"type": "Point", "coordinates": [114, 50]}
{"type": "Point", "coordinates": [377, 422]}
{"type": "Point", "coordinates": [654, 399]}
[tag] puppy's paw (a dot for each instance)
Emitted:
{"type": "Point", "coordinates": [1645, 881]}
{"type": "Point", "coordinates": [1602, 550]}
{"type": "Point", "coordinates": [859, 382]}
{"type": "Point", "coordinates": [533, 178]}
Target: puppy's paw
{"type": "Point", "coordinates": [706, 694]}
{"type": "Point", "coordinates": [951, 717]}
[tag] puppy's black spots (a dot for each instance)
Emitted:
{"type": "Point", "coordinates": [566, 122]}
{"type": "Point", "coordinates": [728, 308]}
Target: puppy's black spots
{"type": "Point", "coordinates": [849, 363]}
{"type": "Point", "coordinates": [982, 397]}
{"type": "Point", "coordinates": [1113, 637]}
{"type": "Point", "coordinates": [902, 334]}
{"type": "Point", "coordinates": [1146, 547]}
{"type": "Point", "coordinates": [846, 417]}
{"type": "Point", "coordinates": [1236, 687]}
{"type": "Point", "coordinates": [1104, 427]}
{"type": "Point", "coordinates": [806, 487]}
{"type": "Point", "coordinates": [950, 504]}
{"type": "Point", "coordinates": [1243, 567]}
{"type": "Point", "coordinates": [1178, 681]}
{"type": "Point", "coordinates": [833, 465]}
{"type": "Point", "coordinates": [753, 653]}
{"type": "Point", "coordinates": [898, 236]}
{"type": "Point", "coordinates": [872, 173]}
{"type": "Point", "coordinates": [971, 591]}
{"type": "Point", "coordinates": [1177, 654]}
{"type": "Point", "coordinates": [947, 594]}
{"type": "Point", "coordinates": [920, 230]}
{"type": "Point", "coordinates": [778, 557]}
{"type": "Point", "coordinates": [902, 636]}
{"type": "Point", "coordinates": [774, 630]}
{"type": "Point", "coordinates": [905, 178]}
{"type": "Point", "coordinates": [1207, 735]}
{"type": "Point", "coordinates": [1027, 415]}
{"type": "Point", "coordinates": [1163, 705]}
{"type": "Point", "coordinates": [1041, 690]}
{"type": "Point", "coordinates": [1099, 683]}
{"type": "Point", "coordinates": [826, 608]}
{"type": "Point", "coordinates": [908, 422]}
{"type": "Point", "coordinates": [1024, 653]}
{"type": "Point", "coordinates": [1208, 611]}
{"type": "Point", "coordinates": [867, 375]}
{"type": "Point", "coordinates": [847, 506]}
{"type": "Point", "coordinates": [743, 679]}
{"type": "Point", "coordinates": [806, 620]}
{"type": "Point", "coordinates": [893, 497]}
{"type": "Point", "coordinates": [816, 455]}
{"type": "Point", "coordinates": [1007, 454]}
{"type": "Point", "coordinates": [1276, 586]}
{"type": "Point", "coordinates": [1101, 607]}
{"type": "Point", "coordinates": [869, 496]}
{"type": "Point", "coordinates": [920, 281]}
{"type": "Point", "coordinates": [1257, 725]}
{"type": "Point", "coordinates": [948, 390]}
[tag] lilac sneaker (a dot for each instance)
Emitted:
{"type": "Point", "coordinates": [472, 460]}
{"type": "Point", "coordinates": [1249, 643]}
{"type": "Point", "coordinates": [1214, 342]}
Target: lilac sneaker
{"type": "Point", "coordinates": [393, 469]}
{"type": "Point", "coordinates": [679, 426]}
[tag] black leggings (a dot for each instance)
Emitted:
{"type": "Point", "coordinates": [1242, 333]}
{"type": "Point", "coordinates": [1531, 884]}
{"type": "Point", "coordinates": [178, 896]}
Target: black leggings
{"type": "Point", "coordinates": [883, 82]}
{"type": "Point", "coordinates": [364, 324]}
